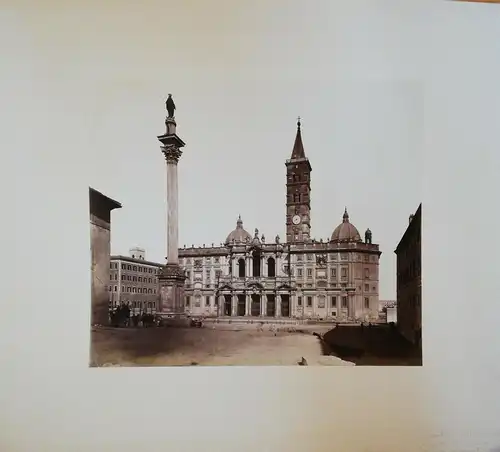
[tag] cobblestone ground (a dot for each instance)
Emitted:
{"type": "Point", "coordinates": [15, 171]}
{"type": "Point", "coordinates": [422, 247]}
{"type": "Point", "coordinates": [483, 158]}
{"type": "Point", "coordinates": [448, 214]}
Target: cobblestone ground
{"type": "Point", "coordinates": [239, 346]}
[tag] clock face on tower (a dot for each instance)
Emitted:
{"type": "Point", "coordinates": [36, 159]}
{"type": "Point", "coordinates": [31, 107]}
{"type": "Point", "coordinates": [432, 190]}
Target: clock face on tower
{"type": "Point", "coordinates": [296, 219]}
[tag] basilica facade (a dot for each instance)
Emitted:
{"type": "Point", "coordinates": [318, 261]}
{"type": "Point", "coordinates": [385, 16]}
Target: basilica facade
{"type": "Point", "coordinates": [246, 276]}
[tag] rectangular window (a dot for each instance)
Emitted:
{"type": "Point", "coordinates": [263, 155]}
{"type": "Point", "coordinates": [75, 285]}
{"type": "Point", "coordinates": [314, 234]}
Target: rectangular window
{"type": "Point", "coordinates": [367, 287]}
{"type": "Point", "coordinates": [207, 301]}
{"type": "Point", "coordinates": [299, 257]}
{"type": "Point", "coordinates": [299, 272]}
{"type": "Point", "coordinates": [299, 301]}
{"type": "Point", "coordinates": [333, 272]}
{"type": "Point", "coordinates": [216, 260]}
{"type": "Point", "coordinates": [123, 266]}
{"type": "Point", "coordinates": [309, 272]}
{"type": "Point", "coordinates": [188, 301]}
{"type": "Point", "coordinates": [310, 257]}
{"type": "Point", "coordinates": [344, 272]}
{"type": "Point", "coordinates": [367, 303]}
{"type": "Point", "coordinates": [309, 301]}
{"type": "Point", "coordinates": [334, 302]}
{"type": "Point", "coordinates": [344, 302]}
{"type": "Point", "coordinates": [366, 257]}
{"type": "Point", "coordinates": [207, 274]}
{"type": "Point", "coordinates": [367, 273]}
{"type": "Point", "coordinates": [343, 256]}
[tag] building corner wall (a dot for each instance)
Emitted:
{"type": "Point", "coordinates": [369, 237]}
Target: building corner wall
{"type": "Point", "coordinates": [100, 249]}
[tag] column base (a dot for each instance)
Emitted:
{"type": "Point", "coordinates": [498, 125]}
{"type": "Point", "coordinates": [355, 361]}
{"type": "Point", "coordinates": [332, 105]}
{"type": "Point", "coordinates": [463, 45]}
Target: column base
{"type": "Point", "coordinates": [172, 299]}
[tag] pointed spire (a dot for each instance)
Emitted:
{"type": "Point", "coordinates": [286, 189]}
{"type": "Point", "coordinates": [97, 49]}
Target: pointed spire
{"type": "Point", "coordinates": [346, 216]}
{"type": "Point", "coordinates": [239, 223]}
{"type": "Point", "coordinates": [298, 147]}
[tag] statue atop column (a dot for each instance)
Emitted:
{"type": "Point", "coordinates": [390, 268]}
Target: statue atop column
{"type": "Point", "coordinates": [170, 106]}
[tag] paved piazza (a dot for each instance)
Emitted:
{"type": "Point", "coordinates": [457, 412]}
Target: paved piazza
{"type": "Point", "coordinates": [210, 346]}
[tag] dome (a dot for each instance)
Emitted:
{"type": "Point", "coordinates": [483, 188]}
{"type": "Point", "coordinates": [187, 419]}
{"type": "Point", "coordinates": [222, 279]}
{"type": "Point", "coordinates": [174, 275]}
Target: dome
{"type": "Point", "coordinates": [239, 235]}
{"type": "Point", "coordinates": [345, 231]}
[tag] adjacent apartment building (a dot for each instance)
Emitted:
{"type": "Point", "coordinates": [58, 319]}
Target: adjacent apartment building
{"type": "Point", "coordinates": [134, 280]}
{"type": "Point", "coordinates": [409, 280]}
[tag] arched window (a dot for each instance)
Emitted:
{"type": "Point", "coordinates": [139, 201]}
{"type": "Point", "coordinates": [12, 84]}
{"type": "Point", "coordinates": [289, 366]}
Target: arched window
{"type": "Point", "coordinates": [241, 268]}
{"type": "Point", "coordinates": [256, 263]}
{"type": "Point", "coordinates": [271, 267]}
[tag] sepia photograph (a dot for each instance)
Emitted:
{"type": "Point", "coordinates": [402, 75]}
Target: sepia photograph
{"type": "Point", "coordinates": [216, 212]}
{"type": "Point", "coordinates": [286, 296]}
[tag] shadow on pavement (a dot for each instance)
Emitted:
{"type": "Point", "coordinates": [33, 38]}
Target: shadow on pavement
{"type": "Point", "coordinates": [378, 345]}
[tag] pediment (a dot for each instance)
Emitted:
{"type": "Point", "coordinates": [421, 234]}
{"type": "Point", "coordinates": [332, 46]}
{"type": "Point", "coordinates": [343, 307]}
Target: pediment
{"type": "Point", "coordinates": [225, 287]}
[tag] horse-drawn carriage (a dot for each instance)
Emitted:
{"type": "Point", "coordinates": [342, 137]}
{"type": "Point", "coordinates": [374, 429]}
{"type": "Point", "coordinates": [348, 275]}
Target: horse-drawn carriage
{"type": "Point", "coordinates": [196, 322]}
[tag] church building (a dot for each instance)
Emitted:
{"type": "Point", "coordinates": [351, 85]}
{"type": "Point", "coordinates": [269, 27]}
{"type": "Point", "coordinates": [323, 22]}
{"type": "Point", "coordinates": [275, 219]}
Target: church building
{"type": "Point", "coordinates": [246, 276]}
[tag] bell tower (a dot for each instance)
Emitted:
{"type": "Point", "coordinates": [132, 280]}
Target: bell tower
{"type": "Point", "coordinates": [298, 193]}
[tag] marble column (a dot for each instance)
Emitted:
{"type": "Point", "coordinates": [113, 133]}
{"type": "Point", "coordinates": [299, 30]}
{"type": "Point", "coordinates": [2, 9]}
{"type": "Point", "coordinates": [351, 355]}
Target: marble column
{"type": "Point", "coordinates": [248, 305]}
{"type": "Point", "coordinates": [278, 306]}
{"type": "Point", "coordinates": [172, 277]}
{"type": "Point", "coordinates": [264, 305]}
{"type": "Point", "coordinates": [234, 306]}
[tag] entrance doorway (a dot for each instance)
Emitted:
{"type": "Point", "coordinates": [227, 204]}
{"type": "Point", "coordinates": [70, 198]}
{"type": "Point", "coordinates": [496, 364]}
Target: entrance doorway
{"type": "Point", "coordinates": [241, 305]}
{"type": "Point", "coordinates": [271, 305]}
{"type": "Point", "coordinates": [227, 305]}
{"type": "Point", "coordinates": [285, 305]}
{"type": "Point", "coordinates": [255, 311]}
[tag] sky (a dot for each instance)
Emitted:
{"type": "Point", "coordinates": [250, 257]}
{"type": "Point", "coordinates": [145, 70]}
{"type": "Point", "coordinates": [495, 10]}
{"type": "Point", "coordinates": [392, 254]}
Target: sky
{"type": "Point", "coordinates": [239, 83]}
{"type": "Point", "coordinates": [399, 104]}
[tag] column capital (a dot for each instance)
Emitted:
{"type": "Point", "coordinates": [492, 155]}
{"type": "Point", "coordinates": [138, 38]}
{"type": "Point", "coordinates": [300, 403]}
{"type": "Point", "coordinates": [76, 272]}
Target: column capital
{"type": "Point", "coordinates": [172, 153]}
